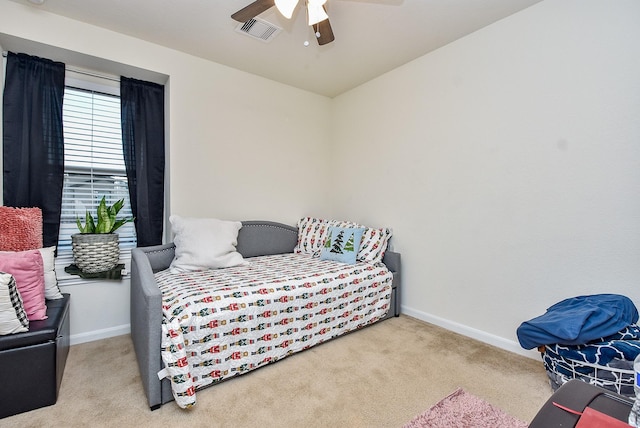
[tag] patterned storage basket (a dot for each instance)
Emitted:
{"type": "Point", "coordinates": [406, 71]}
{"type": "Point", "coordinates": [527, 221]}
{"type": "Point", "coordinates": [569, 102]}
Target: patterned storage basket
{"type": "Point", "coordinates": [616, 376]}
{"type": "Point", "coordinates": [93, 253]}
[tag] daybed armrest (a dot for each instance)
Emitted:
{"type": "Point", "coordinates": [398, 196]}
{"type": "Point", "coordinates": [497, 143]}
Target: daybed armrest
{"type": "Point", "coordinates": [393, 262]}
{"type": "Point", "coordinates": [146, 314]}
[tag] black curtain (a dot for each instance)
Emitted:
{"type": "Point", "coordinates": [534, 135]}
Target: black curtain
{"type": "Point", "coordinates": [33, 142]}
{"type": "Point", "coordinates": [142, 106]}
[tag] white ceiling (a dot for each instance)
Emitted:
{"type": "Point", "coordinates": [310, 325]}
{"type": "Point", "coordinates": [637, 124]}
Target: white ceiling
{"type": "Point", "coordinates": [372, 36]}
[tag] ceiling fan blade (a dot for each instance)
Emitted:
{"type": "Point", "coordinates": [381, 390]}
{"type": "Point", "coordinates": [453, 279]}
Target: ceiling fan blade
{"type": "Point", "coordinates": [326, 33]}
{"type": "Point", "coordinates": [253, 10]}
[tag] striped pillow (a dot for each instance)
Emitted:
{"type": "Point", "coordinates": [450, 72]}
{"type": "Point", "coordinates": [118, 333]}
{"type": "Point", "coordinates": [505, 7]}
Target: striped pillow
{"type": "Point", "coordinates": [13, 318]}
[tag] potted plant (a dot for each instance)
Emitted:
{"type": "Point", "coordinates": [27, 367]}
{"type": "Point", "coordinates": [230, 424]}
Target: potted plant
{"type": "Point", "coordinates": [96, 248]}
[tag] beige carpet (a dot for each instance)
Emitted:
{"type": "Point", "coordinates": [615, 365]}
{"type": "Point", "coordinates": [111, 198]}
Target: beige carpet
{"type": "Point", "coordinates": [381, 376]}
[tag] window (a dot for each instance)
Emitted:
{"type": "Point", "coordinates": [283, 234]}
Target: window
{"type": "Point", "coordinates": [94, 162]}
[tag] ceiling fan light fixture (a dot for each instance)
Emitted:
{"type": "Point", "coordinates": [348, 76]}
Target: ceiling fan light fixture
{"type": "Point", "coordinates": [315, 9]}
{"type": "Point", "coordinates": [286, 7]}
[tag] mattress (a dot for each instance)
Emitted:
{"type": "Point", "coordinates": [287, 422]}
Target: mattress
{"type": "Point", "coordinates": [224, 322]}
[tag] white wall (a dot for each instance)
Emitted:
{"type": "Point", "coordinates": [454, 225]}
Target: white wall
{"type": "Point", "coordinates": [508, 164]}
{"type": "Point", "coordinates": [239, 145]}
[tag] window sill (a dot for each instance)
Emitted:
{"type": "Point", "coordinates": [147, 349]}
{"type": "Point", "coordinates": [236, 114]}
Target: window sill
{"type": "Point", "coordinates": [65, 279]}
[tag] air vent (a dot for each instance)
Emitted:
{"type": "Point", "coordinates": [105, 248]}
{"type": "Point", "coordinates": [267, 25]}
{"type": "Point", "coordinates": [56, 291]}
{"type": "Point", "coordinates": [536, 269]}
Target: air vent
{"type": "Point", "coordinates": [259, 29]}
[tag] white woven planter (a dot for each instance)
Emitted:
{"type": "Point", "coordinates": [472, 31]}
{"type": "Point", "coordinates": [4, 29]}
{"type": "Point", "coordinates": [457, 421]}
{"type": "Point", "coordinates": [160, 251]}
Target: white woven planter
{"type": "Point", "coordinates": [95, 252]}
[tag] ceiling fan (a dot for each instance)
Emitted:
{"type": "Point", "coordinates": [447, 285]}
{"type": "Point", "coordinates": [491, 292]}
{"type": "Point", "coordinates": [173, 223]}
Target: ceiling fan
{"type": "Point", "coordinates": [316, 12]}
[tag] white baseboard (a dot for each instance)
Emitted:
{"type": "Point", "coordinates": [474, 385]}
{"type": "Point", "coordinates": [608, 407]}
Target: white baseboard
{"type": "Point", "coordinates": [471, 332]}
{"type": "Point", "coordinates": [90, 336]}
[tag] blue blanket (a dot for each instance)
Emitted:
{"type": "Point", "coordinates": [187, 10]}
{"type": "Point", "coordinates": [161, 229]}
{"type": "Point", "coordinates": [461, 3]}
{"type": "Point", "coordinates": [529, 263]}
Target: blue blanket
{"type": "Point", "coordinates": [579, 320]}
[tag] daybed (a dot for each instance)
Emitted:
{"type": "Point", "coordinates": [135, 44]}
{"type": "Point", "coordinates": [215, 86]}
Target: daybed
{"type": "Point", "coordinates": [160, 333]}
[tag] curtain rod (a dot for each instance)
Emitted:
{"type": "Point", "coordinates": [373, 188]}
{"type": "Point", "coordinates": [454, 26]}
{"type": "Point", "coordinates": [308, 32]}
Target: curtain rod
{"type": "Point", "coordinates": [86, 73]}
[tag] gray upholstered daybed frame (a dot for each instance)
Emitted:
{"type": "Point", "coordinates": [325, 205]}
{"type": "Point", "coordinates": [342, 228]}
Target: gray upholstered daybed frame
{"type": "Point", "coordinates": [255, 238]}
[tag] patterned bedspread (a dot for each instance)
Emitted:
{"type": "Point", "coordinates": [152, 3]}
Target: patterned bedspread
{"type": "Point", "coordinates": [223, 322]}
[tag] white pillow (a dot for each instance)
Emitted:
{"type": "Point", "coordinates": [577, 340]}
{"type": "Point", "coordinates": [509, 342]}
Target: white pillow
{"type": "Point", "coordinates": [51, 290]}
{"type": "Point", "coordinates": [13, 318]}
{"type": "Point", "coordinates": [204, 243]}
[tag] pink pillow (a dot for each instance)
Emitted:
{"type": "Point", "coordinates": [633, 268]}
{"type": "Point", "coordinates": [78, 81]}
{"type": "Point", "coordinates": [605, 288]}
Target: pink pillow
{"type": "Point", "coordinates": [20, 228]}
{"type": "Point", "coordinates": [27, 268]}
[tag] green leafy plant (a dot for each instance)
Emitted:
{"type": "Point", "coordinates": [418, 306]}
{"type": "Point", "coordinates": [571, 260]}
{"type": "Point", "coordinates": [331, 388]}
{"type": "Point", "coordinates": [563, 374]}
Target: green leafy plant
{"type": "Point", "coordinates": [105, 221]}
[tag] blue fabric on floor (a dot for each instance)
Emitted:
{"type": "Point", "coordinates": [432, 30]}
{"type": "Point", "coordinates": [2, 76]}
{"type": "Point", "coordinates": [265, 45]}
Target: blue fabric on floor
{"type": "Point", "coordinates": [578, 320]}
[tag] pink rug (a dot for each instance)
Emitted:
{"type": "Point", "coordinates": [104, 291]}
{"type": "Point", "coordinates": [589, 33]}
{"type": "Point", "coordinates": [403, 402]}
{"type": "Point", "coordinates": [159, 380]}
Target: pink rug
{"type": "Point", "coordinates": [463, 410]}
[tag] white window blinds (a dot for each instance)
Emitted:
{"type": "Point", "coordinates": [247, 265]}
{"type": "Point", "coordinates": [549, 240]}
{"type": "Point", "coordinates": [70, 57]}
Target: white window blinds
{"type": "Point", "coordinates": [94, 163]}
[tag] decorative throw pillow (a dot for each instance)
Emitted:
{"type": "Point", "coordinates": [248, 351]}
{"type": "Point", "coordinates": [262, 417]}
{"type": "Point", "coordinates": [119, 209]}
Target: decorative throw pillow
{"type": "Point", "coordinates": [342, 244]}
{"type": "Point", "coordinates": [312, 233]}
{"type": "Point", "coordinates": [204, 243]}
{"type": "Point", "coordinates": [374, 244]}
{"type": "Point", "coordinates": [13, 318]}
{"type": "Point", "coordinates": [20, 228]}
{"type": "Point", "coordinates": [28, 270]}
{"type": "Point", "coordinates": [311, 236]}
{"type": "Point", "coordinates": [51, 290]}
{"type": "Point", "coordinates": [374, 241]}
